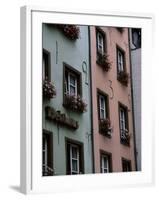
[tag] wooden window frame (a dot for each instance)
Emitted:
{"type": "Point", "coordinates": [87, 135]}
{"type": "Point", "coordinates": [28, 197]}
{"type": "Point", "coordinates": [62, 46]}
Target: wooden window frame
{"type": "Point", "coordinates": [80, 145]}
{"type": "Point", "coordinates": [127, 161]}
{"type": "Point", "coordinates": [109, 156]}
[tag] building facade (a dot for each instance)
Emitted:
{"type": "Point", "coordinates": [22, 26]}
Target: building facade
{"type": "Point", "coordinates": [67, 144]}
{"type": "Point", "coordinates": [135, 45]}
{"type": "Point", "coordinates": [87, 100]}
{"type": "Point", "coordinates": [112, 100]}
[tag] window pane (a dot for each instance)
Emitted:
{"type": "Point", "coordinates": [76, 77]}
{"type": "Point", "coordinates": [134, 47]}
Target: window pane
{"type": "Point", "coordinates": [74, 152]}
{"type": "Point", "coordinates": [72, 90]}
{"type": "Point", "coordinates": [74, 165]}
{"type": "Point", "coordinates": [72, 80]}
{"type": "Point", "coordinates": [102, 114]}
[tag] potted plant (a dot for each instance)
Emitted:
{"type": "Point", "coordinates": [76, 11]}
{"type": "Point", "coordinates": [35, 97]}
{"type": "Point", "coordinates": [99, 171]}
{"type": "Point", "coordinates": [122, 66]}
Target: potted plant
{"type": "Point", "coordinates": [49, 90]}
{"type": "Point", "coordinates": [103, 61]}
{"type": "Point", "coordinates": [125, 137]}
{"type": "Point", "coordinates": [105, 126]}
{"type": "Point", "coordinates": [75, 103]}
{"type": "Point", "coordinates": [123, 77]}
{"type": "Point", "coordinates": [70, 31]}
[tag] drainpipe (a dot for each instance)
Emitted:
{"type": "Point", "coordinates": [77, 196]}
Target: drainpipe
{"type": "Point", "coordinates": [132, 99]}
{"type": "Point", "coordinates": [91, 102]}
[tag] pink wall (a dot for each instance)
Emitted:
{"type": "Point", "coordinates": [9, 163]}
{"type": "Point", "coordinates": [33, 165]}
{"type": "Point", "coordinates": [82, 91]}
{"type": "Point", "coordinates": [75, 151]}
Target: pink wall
{"type": "Point", "coordinates": [121, 93]}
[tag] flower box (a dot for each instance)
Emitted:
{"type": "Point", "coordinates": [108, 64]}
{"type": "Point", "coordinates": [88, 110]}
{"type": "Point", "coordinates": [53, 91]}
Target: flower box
{"type": "Point", "coordinates": [123, 77]}
{"type": "Point", "coordinates": [70, 31]}
{"type": "Point", "coordinates": [105, 127]}
{"type": "Point", "coordinates": [74, 103]}
{"type": "Point", "coordinates": [103, 61]}
{"type": "Point", "coordinates": [49, 90]}
{"type": "Point", "coordinates": [125, 137]}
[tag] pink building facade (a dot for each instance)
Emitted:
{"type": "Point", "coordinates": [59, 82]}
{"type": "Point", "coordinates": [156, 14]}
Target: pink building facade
{"type": "Point", "coordinates": [113, 134]}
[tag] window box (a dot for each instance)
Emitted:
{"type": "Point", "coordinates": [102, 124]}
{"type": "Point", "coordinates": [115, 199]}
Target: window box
{"type": "Point", "coordinates": [70, 31]}
{"type": "Point", "coordinates": [49, 90]}
{"type": "Point", "coordinates": [105, 127]}
{"type": "Point", "coordinates": [103, 61]}
{"type": "Point", "coordinates": [75, 103]}
{"type": "Point", "coordinates": [125, 137]}
{"type": "Point", "coordinates": [123, 77]}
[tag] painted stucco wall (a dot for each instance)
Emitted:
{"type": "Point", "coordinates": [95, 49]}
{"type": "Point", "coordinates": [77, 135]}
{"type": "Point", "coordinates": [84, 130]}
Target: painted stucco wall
{"type": "Point", "coordinates": [74, 53]}
{"type": "Point", "coordinates": [136, 82]}
{"type": "Point", "coordinates": [108, 83]}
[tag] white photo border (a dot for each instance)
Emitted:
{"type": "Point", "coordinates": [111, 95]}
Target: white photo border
{"type": "Point", "coordinates": [31, 101]}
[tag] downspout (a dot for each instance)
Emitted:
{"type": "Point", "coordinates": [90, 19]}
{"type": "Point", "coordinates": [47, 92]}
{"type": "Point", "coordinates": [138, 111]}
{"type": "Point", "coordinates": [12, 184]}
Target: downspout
{"type": "Point", "coordinates": [91, 102]}
{"type": "Point", "coordinates": [132, 99]}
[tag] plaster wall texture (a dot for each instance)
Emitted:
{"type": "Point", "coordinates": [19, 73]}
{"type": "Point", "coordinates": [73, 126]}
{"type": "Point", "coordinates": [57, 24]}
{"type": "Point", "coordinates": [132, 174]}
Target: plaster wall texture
{"type": "Point", "coordinates": [105, 81]}
{"type": "Point", "coordinates": [74, 53]}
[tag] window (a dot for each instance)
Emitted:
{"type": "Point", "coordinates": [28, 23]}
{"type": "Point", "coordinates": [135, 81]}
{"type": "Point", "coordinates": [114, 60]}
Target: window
{"type": "Point", "coordinates": [47, 154]}
{"type": "Point", "coordinates": [123, 121]}
{"type": "Point", "coordinates": [103, 114]}
{"type": "Point", "coordinates": [136, 37]}
{"type": "Point", "coordinates": [106, 162]}
{"type": "Point", "coordinates": [126, 165]}
{"type": "Point", "coordinates": [102, 105]}
{"type": "Point", "coordinates": [120, 60]}
{"type": "Point", "coordinates": [46, 65]}
{"type": "Point", "coordinates": [100, 38]}
{"type": "Point", "coordinates": [74, 157]}
{"type": "Point", "coordinates": [72, 81]}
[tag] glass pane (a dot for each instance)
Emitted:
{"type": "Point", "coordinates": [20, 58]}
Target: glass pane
{"type": "Point", "coordinates": [72, 80]}
{"type": "Point", "coordinates": [102, 114]}
{"type": "Point", "coordinates": [74, 165]}
{"type": "Point", "coordinates": [72, 90]}
{"type": "Point", "coordinates": [74, 152]}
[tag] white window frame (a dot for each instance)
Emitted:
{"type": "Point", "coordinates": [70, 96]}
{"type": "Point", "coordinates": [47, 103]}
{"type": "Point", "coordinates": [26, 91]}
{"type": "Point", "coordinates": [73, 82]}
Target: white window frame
{"type": "Point", "coordinates": [75, 159]}
{"type": "Point", "coordinates": [100, 46]}
{"type": "Point", "coordinates": [107, 168]}
{"type": "Point", "coordinates": [100, 106]}
{"type": "Point", "coordinates": [120, 61]}
{"type": "Point", "coordinates": [70, 84]}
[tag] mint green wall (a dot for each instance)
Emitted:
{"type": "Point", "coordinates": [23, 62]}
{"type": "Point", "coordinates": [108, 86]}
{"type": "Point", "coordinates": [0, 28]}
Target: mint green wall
{"type": "Point", "coordinates": [73, 53]}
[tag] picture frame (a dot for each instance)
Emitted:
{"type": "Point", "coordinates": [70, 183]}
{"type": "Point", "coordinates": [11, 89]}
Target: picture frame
{"type": "Point", "coordinates": [32, 19]}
